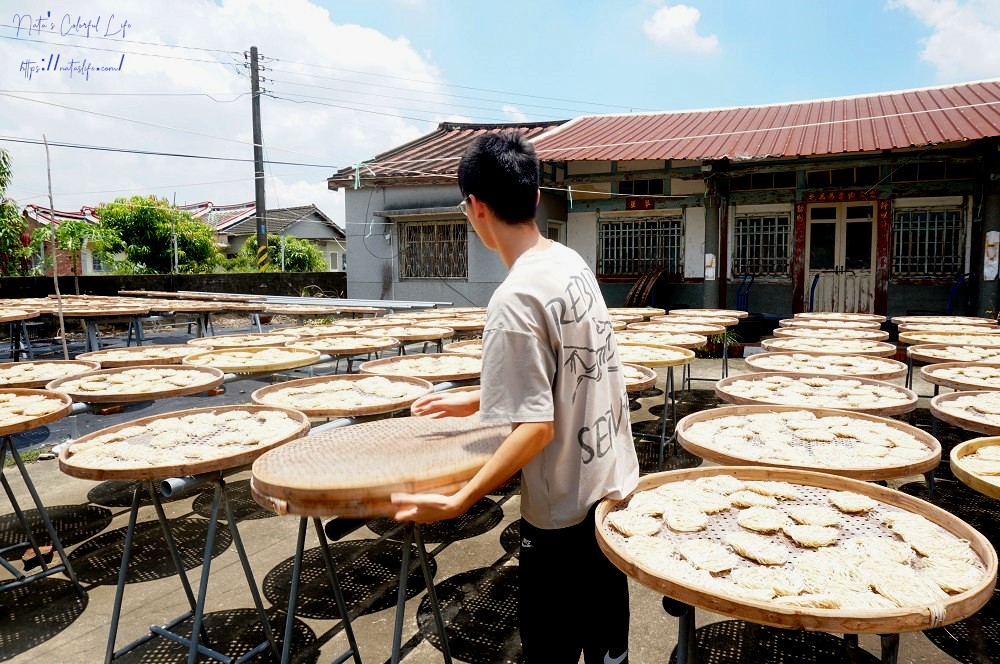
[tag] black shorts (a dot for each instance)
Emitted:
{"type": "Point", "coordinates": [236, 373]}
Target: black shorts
{"type": "Point", "coordinates": [571, 598]}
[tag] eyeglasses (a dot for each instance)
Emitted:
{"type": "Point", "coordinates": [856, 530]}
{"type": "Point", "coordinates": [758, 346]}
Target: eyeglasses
{"type": "Point", "coordinates": [464, 206]}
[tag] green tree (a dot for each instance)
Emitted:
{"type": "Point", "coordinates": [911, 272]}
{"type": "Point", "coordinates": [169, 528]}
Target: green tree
{"type": "Point", "coordinates": [17, 246]}
{"type": "Point", "coordinates": [73, 235]}
{"type": "Point", "coordinates": [141, 228]}
{"type": "Point", "coordinates": [300, 256]}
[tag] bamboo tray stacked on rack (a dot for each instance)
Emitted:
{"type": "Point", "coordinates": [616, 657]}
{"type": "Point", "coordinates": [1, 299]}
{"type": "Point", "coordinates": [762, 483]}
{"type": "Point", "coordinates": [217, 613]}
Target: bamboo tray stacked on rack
{"type": "Point", "coordinates": [829, 346]}
{"type": "Point", "coordinates": [961, 454]}
{"type": "Point", "coordinates": [28, 422]}
{"type": "Point", "coordinates": [875, 368]}
{"type": "Point", "coordinates": [112, 358]}
{"type": "Point", "coordinates": [715, 593]}
{"type": "Point", "coordinates": [906, 402]}
{"type": "Point", "coordinates": [935, 353]}
{"type": "Point", "coordinates": [988, 380]}
{"type": "Point", "coordinates": [353, 471]}
{"type": "Point", "coordinates": [139, 441]}
{"type": "Point", "coordinates": [39, 373]}
{"type": "Point", "coordinates": [295, 394]}
{"type": "Point", "coordinates": [346, 345]}
{"type": "Point", "coordinates": [756, 453]}
{"type": "Point", "coordinates": [248, 360]}
{"type": "Point", "coordinates": [395, 366]}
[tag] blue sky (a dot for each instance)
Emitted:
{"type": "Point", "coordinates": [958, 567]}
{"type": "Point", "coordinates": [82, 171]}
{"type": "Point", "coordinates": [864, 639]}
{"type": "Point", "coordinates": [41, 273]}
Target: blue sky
{"type": "Point", "coordinates": [345, 80]}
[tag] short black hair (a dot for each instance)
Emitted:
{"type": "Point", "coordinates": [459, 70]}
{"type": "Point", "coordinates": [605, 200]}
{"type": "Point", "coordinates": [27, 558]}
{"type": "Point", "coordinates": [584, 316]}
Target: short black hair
{"type": "Point", "coordinates": [501, 170]}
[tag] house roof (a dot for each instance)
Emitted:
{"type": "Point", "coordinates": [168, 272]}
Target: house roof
{"type": "Point", "coordinates": [43, 214]}
{"type": "Point", "coordinates": [279, 219]}
{"type": "Point", "coordinates": [220, 216]}
{"type": "Point", "coordinates": [890, 120]}
{"type": "Point", "coordinates": [430, 159]}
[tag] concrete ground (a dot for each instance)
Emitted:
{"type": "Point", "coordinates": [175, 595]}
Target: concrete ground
{"type": "Point", "coordinates": [475, 559]}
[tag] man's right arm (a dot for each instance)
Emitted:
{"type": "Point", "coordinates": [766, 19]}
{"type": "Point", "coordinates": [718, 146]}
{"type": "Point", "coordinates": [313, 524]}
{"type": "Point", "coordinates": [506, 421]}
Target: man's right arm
{"type": "Point", "coordinates": [447, 404]}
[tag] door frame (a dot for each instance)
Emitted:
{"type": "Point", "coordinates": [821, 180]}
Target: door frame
{"type": "Point", "coordinates": [840, 239]}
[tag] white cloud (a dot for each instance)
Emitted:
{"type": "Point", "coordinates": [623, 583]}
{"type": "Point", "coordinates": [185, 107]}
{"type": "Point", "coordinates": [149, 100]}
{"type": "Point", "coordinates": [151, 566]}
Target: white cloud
{"type": "Point", "coordinates": [964, 36]}
{"type": "Point", "coordinates": [675, 27]}
{"type": "Point", "coordinates": [516, 114]}
{"type": "Point", "coordinates": [293, 31]}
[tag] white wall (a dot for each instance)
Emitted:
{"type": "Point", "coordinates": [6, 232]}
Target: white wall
{"type": "Point", "coordinates": [694, 242]}
{"type": "Point", "coordinates": [581, 235]}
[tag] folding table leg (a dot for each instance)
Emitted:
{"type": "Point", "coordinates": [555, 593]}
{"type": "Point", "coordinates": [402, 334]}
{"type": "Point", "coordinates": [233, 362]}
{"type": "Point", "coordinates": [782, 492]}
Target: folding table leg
{"type": "Point", "coordinates": [890, 648]}
{"type": "Point", "coordinates": [432, 593]}
{"type": "Point", "coordinates": [404, 573]}
{"type": "Point", "coordinates": [293, 593]}
{"type": "Point", "coordinates": [338, 595]}
{"type": "Point", "coordinates": [116, 611]}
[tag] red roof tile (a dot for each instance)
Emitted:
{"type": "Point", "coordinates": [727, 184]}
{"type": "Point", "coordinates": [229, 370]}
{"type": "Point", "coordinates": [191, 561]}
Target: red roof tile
{"type": "Point", "coordinates": [910, 118]}
{"type": "Point", "coordinates": [430, 159]}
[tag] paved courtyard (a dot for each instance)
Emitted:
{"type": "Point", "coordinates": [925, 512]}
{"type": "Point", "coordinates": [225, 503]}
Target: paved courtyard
{"type": "Point", "coordinates": [475, 561]}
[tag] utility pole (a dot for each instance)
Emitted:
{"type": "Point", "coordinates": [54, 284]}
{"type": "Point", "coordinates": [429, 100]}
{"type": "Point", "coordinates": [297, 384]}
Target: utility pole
{"type": "Point", "coordinates": [258, 163]}
{"type": "Point", "coordinates": [174, 264]}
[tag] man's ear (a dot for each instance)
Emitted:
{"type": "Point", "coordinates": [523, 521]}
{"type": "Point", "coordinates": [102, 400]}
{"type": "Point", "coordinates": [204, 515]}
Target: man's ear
{"type": "Point", "coordinates": [538, 198]}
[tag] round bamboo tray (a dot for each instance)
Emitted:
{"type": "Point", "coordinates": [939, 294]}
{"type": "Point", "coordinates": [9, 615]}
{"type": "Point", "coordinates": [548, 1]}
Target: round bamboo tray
{"type": "Point", "coordinates": [344, 345]}
{"type": "Point", "coordinates": [312, 331]}
{"type": "Point", "coordinates": [144, 471]}
{"type": "Point", "coordinates": [453, 390]}
{"type": "Point", "coordinates": [887, 369]}
{"type": "Point", "coordinates": [456, 324]}
{"type": "Point", "coordinates": [624, 352]}
{"type": "Point", "coordinates": [964, 420]}
{"type": "Point", "coordinates": [229, 360]}
{"type": "Point", "coordinates": [184, 306]}
{"type": "Point", "coordinates": [40, 420]}
{"type": "Point", "coordinates": [830, 346]}
{"type": "Point", "coordinates": [139, 356]}
{"type": "Point", "coordinates": [352, 471]}
{"type": "Point", "coordinates": [429, 314]}
{"type": "Point", "coordinates": [723, 321]}
{"type": "Point", "coordinates": [462, 311]}
{"type": "Point", "coordinates": [209, 379]}
{"type": "Point", "coordinates": [680, 340]}
{"type": "Point", "coordinates": [67, 367]}
{"type": "Point", "coordinates": [243, 340]}
{"type": "Point", "coordinates": [12, 315]}
{"type": "Point", "coordinates": [645, 312]}
{"type": "Point", "coordinates": [678, 328]}
{"type": "Point", "coordinates": [831, 315]}
{"type": "Point", "coordinates": [943, 320]}
{"type": "Point", "coordinates": [385, 321]}
{"type": "Point", "coordinates": [948, 329]}
{"type": "Point", "coordinates": [647, 381]}
{"type": "Point", "coordinates": [831, 333]}
{"type": "Point", "coordinates": [949, 353]}
{"type": "Point", "coordinates": [950, 338]}
{"type": "Point", "coordinates": [304, 310]}
{"type": "Point", "coordinates": [718, 313]}
{"type": "Point", "coordinates": [270, 395]}
{"type": "Point", "coordinates": [864, 473]}
{"type": "Point", "coordinates": [110, 312]}
{"type": "Point", "coordinates": [814, 487]}
{"type": "Point", "coordinates": [408, 334]}
{"type": "Point", "coordinates": [980, 483]}
{"type": "Point", "coordinates": [628, 318]}
{"type": "Point", "coordinates": [389, 366]}
{"type": "Point", "coordinates": [929, 373]}
{"type": "Point", "coordinates": [248, 307]}
{"type": "Point", "coordinates": [470, 347]}
{"type": "Point", "coordinates": [835, 324]}
{"type": "Point", "coordinates": [722, 385]}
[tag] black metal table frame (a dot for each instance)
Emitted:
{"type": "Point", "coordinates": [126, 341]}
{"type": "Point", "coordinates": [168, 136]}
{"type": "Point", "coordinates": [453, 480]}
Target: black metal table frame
{"type": "Point", "coordinates": [686, 376]}
{"type": "Point", "coordinates": [197, 643]}
{"type": "Point", "coordinates": [662, 438]}
{"type": "Point", "coordinates": [686, 646]}
{"type": "Point", "coordinates": [20, 578]}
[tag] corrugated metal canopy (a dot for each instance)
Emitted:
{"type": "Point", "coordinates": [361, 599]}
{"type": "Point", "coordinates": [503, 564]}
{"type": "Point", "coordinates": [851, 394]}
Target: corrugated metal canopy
{"type": "Point", "coordinates": [891, 120]}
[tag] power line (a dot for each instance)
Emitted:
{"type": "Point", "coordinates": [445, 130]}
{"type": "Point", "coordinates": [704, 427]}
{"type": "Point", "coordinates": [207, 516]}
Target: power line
{"type": "Point", "coordinates": [103, 148]}
{"type": "Point", "coordinates": [116, 39]}
{"type": "Point", "coordinates": [370, 94]}
{"type": "Point", "coordinates": [415, 80]}
{"type": "Point", "coordinates": [390, 87]}
{"type": "Point", "coordinates": [116, 50]}
{"type": "Point", "coordinates": [413, 110]}
{"type": "Point", "coordinates": [348, 108]}
{"type": "Point", "coordinates": [144, 123]}
{"type": "Point", "coordinates": [135, 94]}
{"type": "Point", "coordinates": [142, 188]}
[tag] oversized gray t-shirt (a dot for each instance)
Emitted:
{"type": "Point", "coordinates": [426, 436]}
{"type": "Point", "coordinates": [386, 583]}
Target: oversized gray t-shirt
{"type": "Point", "coordinates": [549, 354]}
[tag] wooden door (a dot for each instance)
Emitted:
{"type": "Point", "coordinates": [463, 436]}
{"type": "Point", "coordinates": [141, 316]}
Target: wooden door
{"type": "Point", "coordinates": [840, 258]}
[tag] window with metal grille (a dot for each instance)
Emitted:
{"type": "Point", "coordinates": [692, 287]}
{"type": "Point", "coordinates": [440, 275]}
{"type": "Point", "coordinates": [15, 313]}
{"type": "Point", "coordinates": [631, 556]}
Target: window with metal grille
{"type": "Point", "coordinates": [433, 249]}
{"type": "Point", "coordinates": [761, 245]}
{"type": "Point", "coordinates": [928, 242]}
{"type": "Point", "coordinates": [634, 246]}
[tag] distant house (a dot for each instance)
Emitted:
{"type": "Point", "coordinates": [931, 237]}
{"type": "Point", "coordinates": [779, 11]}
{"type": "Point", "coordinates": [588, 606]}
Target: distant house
{"type": "Point", "coordinates": [407, 238]}
{"type": "Point", "coordinates": [38, 216]}
{"type": "Point", "coordinates": [305, 222]}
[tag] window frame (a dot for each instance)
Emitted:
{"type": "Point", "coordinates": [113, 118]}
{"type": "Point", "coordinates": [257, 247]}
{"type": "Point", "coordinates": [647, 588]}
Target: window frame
{"type": "Point", "coordinates": [789, 232]}
{"type": "Point", "coordinates": [960, 222]}
{"type": "Point", "coordinates": [677, 219]}
{"type": "Point", "coordinates": [404, 263]}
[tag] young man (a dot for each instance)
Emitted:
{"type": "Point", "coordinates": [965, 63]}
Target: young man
{"type": "Point", "coordinates": [550, 370]}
